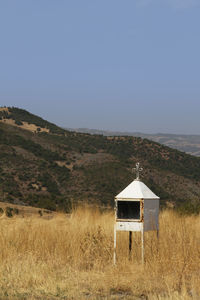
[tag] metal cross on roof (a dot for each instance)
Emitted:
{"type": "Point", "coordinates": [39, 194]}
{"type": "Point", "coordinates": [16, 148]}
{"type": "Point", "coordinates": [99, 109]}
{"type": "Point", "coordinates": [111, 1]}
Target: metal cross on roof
{"type": "Point", "coordinates": [138, 170]}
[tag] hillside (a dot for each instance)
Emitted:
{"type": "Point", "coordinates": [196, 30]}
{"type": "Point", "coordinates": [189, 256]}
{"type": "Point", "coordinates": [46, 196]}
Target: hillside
{"type": "Point", "coordinates": [45, 166]}
{"type": "Point", "coordinates": [183, 142]}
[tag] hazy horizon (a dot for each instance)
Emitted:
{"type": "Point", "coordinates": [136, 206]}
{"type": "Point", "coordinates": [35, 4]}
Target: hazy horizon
{"type": "Point", "coordinates": [128, 132]}
{"type": "Point", "coordinates": [111, 65]}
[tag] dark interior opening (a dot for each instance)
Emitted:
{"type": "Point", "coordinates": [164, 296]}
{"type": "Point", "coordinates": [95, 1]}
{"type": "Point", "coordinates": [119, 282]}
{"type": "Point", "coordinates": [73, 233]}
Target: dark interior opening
{"type": "Point", "coordinates": [128, 210]}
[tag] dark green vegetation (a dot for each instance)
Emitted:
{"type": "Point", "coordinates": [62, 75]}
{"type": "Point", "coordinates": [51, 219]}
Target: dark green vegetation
{"type": "Point", "coordinates": [183, 142]}
{"type": "Point", "coordinates": [59, 169]}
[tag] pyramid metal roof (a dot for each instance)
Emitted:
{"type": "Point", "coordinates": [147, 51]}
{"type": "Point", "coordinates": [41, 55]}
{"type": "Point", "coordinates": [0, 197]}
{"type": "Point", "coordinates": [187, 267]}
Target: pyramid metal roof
{"type": "Point", "coordinates": [136, 190]}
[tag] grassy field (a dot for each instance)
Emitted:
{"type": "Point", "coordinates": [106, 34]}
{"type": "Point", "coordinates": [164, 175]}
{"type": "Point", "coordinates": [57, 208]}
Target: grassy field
{"type": "Point", "coordinates": [72, 258]}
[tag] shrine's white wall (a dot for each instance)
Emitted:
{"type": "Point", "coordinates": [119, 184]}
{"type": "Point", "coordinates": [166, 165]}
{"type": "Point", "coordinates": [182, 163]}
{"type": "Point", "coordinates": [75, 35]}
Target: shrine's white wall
{"type": "Point", "coordinates": [151, 214]}
{"type": "Point", "coordinates": [129, 226]}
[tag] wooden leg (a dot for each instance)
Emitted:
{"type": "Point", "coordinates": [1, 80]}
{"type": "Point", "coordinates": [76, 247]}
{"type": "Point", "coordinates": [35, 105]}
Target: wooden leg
{"type": "Point", "coordinates": [115, 242]}
{"type": "Point", "coordinates": [130, 244]}
{"type": "Point", "coordinates": [157, 235]}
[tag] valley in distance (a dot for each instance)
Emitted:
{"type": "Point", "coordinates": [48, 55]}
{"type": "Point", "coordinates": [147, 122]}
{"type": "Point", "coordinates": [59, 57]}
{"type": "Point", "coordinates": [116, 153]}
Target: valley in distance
{"type": "Point", "coordinates": [57, 190]}
{"type": "Point", "coordinates": [183, 142]}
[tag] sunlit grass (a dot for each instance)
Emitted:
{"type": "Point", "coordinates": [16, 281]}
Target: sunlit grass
{"type": "Point", "coordinates": [72, 258]}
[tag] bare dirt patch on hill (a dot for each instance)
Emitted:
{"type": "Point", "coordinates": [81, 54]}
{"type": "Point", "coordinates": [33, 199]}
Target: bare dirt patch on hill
{"type": "Point", "coordinates": [25, 125]}
{"type": "Point", "coordinates": [5, 109]}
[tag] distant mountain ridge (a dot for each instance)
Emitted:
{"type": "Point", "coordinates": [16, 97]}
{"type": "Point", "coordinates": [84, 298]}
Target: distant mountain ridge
{"type": "Point", "coordinates": [183, 142]}
{"type": "Point", "coordinates": [45, 166]}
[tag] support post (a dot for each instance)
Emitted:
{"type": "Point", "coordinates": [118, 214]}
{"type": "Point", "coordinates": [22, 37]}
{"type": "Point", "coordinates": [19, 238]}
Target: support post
{"type": "Point", "coordinates": [157, 233]}
{"type": "Point", "coordinates": [142, 243]}
{"type": "Point", "coordinates": [130, 244]}
{"type": "Point", "coordinates": [115, 242]}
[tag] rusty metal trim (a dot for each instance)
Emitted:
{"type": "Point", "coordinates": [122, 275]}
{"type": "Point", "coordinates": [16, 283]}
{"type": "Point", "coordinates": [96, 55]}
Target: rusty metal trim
{"type": "Point", "coordinates": [128, 199]}
{"type": "Point", "coordinates": [142, 210]}
{"type": "Point", "coordinates": [129, 220]}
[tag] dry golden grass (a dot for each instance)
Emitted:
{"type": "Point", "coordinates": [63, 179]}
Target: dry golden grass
{"type": "Point", "coordinates": [26, 125]}
{"type": "Point", "coordinates": [72, 258]}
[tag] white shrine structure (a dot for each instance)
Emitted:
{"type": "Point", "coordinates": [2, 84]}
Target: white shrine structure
{"type": "Point", "coordinates": [136, 209]}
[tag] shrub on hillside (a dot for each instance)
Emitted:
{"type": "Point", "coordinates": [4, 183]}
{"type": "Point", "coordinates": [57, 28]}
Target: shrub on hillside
{"type": "Point", "coordinates": [9, 212]}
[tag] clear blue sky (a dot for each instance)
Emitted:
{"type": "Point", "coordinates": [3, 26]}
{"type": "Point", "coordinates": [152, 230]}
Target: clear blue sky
{"type": "Point", "coordinates": [128, 65]}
